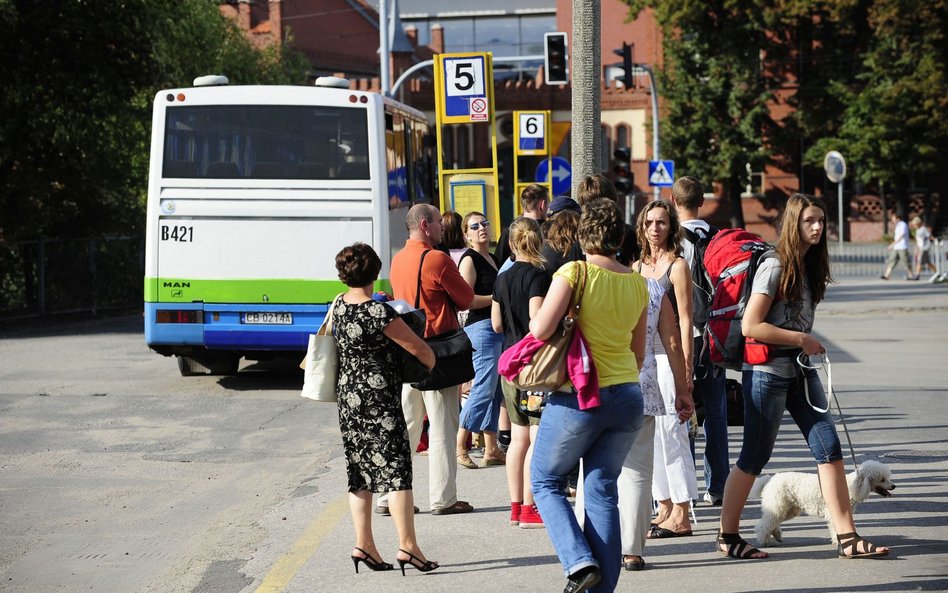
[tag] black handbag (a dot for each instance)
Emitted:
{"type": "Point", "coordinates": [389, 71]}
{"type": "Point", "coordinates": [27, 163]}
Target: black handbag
{"type": "Point", "coordinates": [411, 368]}
{"type": "Point", "coordinates": [454, 353]}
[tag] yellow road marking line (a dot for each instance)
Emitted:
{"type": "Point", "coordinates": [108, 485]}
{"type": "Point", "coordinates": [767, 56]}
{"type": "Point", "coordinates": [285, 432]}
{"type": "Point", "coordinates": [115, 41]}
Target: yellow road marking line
{"type": "Point", "coordinates": [290, 563]}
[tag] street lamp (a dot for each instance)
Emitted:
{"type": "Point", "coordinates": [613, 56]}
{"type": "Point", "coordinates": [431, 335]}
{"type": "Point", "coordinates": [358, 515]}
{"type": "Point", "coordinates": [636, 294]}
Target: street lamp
{"type": "Point", "coordinates": [835, 166]}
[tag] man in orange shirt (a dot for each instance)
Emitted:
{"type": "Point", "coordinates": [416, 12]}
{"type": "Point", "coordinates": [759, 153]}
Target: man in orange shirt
{"type": "Point", "coordinates": [443, 293]}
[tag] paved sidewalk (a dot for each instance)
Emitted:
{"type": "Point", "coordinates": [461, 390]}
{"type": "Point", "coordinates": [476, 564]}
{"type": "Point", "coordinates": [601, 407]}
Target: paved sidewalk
{"type": "Point", "coordinates": [887, 341]}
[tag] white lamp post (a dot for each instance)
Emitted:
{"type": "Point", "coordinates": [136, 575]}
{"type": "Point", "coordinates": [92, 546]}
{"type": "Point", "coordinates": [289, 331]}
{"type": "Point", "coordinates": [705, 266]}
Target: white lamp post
{"type": "Point", "coordinates": [835, 166]}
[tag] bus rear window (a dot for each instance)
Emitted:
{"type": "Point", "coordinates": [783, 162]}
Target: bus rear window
{"type": "Point", "coordinates": [266, 142]}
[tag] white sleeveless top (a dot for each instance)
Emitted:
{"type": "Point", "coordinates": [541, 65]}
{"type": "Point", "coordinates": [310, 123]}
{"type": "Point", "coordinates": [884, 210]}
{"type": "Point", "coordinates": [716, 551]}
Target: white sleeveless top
{"type": "Point", "coordinates": [648, 374]}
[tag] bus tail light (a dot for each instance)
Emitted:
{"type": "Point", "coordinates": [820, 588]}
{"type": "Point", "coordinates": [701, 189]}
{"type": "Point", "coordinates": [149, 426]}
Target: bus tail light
{"type": "Point", "coordinates": [191, 316]}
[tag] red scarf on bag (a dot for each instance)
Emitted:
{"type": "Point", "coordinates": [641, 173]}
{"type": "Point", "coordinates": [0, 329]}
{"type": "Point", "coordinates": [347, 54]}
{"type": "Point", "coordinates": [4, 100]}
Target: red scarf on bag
{"type": "Point", "coordinates": [579, 366]}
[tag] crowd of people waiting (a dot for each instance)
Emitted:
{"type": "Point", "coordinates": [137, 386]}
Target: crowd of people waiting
{"type": "Point", "coordinates": [628, 442]}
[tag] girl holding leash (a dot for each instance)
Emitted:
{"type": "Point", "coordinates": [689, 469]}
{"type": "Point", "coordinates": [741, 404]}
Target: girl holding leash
{"type": "Point", "coordinates": [780, 313]}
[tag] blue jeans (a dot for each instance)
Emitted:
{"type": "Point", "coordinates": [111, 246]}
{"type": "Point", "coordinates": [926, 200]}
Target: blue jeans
{"type": "Point", "coordinates": [711, 391]}
{"type": "Point", "coordinates": [766, 396]}
{"type": "Point", "coordinates": [601, 437]}
{"type": "Point", "coordinates": [481, 411]}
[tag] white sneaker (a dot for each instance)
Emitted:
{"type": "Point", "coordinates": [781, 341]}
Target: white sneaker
{"type": "Point", "coordinates": [713, 499]}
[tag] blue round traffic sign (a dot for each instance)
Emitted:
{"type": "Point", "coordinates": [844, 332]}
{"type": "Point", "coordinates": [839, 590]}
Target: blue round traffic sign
{"type": "Point", "coordinates": [562, 178]}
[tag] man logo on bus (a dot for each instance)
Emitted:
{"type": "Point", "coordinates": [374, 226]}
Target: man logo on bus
{"type": "Point", "coordinates": [176, 285]}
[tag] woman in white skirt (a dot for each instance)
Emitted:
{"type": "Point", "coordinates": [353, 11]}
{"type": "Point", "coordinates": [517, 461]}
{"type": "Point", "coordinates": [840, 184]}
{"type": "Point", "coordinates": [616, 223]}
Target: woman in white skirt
{"type": "Point", "coordinates": [674, 480]}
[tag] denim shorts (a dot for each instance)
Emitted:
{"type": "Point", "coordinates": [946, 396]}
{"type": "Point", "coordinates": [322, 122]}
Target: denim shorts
{"type": "Point", "coordinates": [766, 396]}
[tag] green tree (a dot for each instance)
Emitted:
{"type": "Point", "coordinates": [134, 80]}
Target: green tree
{"type": "Point", "coordinates": [75, 108]}
{"type": "Point", "coordinates": [894, 128]}
{"type": "Point", "coordinates": [714, 89]}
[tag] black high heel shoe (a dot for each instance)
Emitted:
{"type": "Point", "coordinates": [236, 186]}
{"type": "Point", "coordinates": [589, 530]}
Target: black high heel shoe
{"type": "Point", "coordinates": [370, 562]}
{"type": "Point", "coordinates": [427, 566]}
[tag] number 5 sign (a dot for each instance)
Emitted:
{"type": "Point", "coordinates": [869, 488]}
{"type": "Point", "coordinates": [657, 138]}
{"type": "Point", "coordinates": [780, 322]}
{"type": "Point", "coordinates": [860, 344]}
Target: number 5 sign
{"type": "Point", "coordinates": [464, 87]}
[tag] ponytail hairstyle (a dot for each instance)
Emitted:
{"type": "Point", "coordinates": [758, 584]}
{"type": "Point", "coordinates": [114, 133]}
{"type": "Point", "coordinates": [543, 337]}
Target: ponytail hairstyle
{"type": "Point", "coordinates": [526, 240]}
{"type": "Point", "coordinates": [814, 264]}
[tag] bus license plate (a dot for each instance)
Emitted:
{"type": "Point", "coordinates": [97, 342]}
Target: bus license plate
{"type": "Point", "coordinates": [264, 318]}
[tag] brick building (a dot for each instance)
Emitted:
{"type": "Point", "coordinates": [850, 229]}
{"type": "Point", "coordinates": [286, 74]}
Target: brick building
{"type": "Point", "coordinates": [341, 36]}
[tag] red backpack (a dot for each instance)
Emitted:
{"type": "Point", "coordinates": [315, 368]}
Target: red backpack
{"type": "Point", "coordinates": [731, 260]}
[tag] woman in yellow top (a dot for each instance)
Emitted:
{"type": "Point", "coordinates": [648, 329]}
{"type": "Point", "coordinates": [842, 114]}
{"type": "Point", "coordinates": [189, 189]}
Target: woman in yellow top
{"type": "Point", "coordinates": [612, 317]}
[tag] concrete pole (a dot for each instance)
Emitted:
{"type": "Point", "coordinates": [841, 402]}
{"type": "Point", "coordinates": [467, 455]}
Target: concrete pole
{"type": "Point", "coordinates": [586, 71]}
{"type": "Point", "coordinates": [385, 77]}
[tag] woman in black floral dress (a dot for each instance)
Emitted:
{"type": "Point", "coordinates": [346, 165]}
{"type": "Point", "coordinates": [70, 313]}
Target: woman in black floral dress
{"type": "Point", "coordinates": [374, 433]}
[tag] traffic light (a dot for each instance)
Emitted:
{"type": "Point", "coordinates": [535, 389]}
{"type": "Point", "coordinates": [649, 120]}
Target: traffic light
{"type": "Point", "coordinates": [622, 168]}
{"type": "Point", "coordinates": [626, 54]}
{"type": "Point", "coordinates": [555, 58]}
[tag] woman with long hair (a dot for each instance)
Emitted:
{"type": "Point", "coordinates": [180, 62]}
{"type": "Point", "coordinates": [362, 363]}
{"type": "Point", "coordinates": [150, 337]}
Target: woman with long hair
{"type": "Point", "coordinates": [481, 410]}
{"type": "Point", "coordinates": [369, 387]}
{"type": "Point", "coordinates": [612, 317]}
{"type": "Point", "coordinates": [780, 313]}
{"type": "Point", "coordinates": [674, 478]}
{"type": "Point", "coordinates": [518, 295]}
{"type": "Point", "coordinates": [452, 239]}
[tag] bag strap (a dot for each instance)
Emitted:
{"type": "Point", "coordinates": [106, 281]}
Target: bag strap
{"type": "Point", "coordinates": [574, 308]}
{"type": "Point", "coordinates": [418, 289]}
{"type": "Point", "coordinates": [327, 321]}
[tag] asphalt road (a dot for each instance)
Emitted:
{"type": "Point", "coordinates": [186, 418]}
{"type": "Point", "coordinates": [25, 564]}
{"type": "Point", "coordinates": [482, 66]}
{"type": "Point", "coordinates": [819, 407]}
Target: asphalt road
{"type": "Point", "coordinates": [116, 474]}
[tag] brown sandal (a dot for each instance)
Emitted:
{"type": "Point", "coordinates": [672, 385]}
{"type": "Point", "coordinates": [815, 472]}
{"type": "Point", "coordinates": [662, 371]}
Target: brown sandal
{"type": "Point", "coordinates": [851, 540]}
{"type": "Point", "coordinates": [464, 460]}
{"type": "Point", "coordinates": [738, 548]}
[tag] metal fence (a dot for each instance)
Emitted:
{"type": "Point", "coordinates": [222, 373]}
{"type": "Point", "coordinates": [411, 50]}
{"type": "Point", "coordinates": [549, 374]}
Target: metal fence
{"type": "Point", "coordinates": [868, 259]}
{"type": "Point", "coordinates": [50, 276]}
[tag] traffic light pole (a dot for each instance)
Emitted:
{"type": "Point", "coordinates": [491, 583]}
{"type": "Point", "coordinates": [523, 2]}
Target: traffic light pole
{"type": "Point", "coordinates": [656, 154]}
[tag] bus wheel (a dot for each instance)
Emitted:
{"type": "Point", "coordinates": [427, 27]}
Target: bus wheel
{"type": "Point", "coordinates": [188, 367]}
{"type": "Point", "coordinates": [224, 364]}
{"type": "Point", "coordinates": [212, 364]}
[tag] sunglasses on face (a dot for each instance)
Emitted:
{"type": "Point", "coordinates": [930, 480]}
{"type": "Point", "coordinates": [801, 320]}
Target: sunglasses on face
{"type": "Point", "coordinates": [477, 225]}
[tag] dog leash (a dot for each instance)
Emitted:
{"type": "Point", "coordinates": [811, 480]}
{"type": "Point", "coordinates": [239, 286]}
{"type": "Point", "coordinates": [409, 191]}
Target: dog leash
{"type": "Point", "coordinates": [804, 362]}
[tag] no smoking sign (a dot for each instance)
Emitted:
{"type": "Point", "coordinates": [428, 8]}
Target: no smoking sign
{"type": "Point", "coordinates": [478, 109]}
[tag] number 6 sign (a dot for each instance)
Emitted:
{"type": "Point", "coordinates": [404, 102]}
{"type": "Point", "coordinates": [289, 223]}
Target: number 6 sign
{"type": "Point", "coordinates": [464, 83]}
{"type": "Point", "coordinates": [531, 132]}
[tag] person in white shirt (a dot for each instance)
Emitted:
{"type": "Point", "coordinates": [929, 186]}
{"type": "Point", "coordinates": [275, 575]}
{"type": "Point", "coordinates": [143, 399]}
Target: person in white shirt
{"type": "Point", "coordinates": [898, 247]}
{"type": "Point", "coordinates": [923, 246]}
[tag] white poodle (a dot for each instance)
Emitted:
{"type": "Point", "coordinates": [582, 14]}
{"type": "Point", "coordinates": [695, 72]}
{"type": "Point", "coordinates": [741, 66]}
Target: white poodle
{"type": "Point", "coordinates": [787, 494]}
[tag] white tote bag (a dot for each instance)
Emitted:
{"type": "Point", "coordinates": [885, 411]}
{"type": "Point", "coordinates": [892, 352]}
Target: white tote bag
{"type": "Point", "coordinates": [322, 362]}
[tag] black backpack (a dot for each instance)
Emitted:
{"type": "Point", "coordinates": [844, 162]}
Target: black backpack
{"type": "Point", "coordinates": [701, 286]}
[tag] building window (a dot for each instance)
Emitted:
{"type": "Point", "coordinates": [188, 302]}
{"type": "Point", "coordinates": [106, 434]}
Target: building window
{"type": "Point", "coordinates": [504, 35]}
{"type": "Point", "coordinates": [623, 135]}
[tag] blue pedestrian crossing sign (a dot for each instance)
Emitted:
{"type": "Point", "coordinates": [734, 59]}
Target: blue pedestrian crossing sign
{"type": "Point", "coordinates": [661, 173]}
{"type": "Point", "coordinates": [562, 175]}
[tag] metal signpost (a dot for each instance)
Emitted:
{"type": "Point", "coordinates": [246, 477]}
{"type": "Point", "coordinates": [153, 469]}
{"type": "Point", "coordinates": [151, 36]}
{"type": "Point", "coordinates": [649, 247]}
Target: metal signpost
{"type": "Point", "coordinates": [464, 94]}
{"type": "Point", "coordinates": [531, 142]}
{"type": "Point", "coordinates": [835, 166]}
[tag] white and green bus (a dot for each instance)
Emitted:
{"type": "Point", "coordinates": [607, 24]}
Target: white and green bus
{"type": "Point", "coordinates": [252, 191]}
